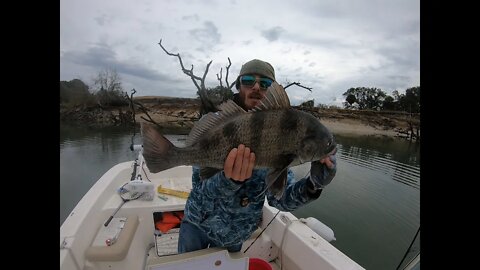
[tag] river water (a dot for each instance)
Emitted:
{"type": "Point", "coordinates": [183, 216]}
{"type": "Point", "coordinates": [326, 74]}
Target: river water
{"type": "Point", "coordinates": [372, 205]}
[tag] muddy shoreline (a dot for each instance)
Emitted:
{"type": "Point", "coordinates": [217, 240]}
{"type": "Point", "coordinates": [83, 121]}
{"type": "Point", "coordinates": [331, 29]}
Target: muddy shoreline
{"type": "Point", "coordinates": [179, 114]}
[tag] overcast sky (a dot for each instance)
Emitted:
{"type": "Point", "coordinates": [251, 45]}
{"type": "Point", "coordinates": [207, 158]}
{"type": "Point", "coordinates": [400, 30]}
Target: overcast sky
{"type": "Point", "coordinates": [329, 45]}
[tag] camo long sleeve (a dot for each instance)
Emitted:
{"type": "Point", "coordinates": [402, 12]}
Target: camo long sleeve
{"type": "Point", "coordinates": [295, 195]}
{"type": "Point", "coordinates": [229, 212]}
{"type": "Point", "coordinates": [215, 186]}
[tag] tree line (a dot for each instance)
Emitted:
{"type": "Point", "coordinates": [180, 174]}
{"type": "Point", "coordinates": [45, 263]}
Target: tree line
{"type": "Point", "coordinates": [375, 99]}
{"type": "Point", "coordinates": [107, 91]}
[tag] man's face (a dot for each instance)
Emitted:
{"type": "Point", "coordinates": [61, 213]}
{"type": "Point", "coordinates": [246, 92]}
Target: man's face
{"type": "Point", "coordinates": [253, 89]}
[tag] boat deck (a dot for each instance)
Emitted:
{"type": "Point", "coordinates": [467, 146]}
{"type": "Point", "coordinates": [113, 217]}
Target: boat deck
{"type": "Point", "coordinates": [165, 250]}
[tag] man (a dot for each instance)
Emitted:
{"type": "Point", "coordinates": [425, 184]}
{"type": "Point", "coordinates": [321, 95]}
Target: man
{"type": "Point", "coordinates": [224, 210]}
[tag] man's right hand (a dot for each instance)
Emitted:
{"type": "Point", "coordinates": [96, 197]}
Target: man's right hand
{"type": "Point", "coordinates": [239, 163]}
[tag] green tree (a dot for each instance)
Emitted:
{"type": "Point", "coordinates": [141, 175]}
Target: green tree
{"type": "Point", "coordinates": [75, 92]}
{"type": "Point", "coordinates": [389, 103]}
{"type": "Point", "coordinates": [396, 95]}
{"type": "Point", "coordinates": [365, 98]}
{"type": "Point", "coordinates": [307, 104]}
{"type": "Point", "coordinates": [411, 101]}
{"type": "Point", "coordinates": [408, 102]}
{"type": "Point", "coordinates": [351, 99]}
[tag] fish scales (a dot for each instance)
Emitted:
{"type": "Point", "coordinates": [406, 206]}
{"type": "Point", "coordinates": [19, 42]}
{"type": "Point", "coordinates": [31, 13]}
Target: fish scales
{"type": "Point", "coordinates": [279, 135]}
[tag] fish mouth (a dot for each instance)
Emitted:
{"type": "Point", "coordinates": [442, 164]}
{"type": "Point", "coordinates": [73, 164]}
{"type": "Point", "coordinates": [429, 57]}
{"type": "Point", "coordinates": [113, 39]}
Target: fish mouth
{"type": "Point", "coordinates": [333, 151]}
{"type": "Point", "coordinates": [332, 148]}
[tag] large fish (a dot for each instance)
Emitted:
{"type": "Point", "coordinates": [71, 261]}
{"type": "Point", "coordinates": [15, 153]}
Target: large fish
{"type": "Point", "coordinates": [279, 135]}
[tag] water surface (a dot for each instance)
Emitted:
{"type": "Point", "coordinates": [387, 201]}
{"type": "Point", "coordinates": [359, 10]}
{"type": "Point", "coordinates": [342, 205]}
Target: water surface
{"type": "Point", "coordinates": [372, 205]}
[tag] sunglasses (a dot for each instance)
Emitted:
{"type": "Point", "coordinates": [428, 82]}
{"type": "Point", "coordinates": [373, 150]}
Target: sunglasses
{"type": "Point", "coordinates": [249, 80]}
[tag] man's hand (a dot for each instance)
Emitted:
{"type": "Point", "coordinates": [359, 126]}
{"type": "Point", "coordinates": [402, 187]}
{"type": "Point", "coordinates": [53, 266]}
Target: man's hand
{"type": "Point", "coordinates": [239, 163]}
{"type": "Point", "coordinates": [322, 171]}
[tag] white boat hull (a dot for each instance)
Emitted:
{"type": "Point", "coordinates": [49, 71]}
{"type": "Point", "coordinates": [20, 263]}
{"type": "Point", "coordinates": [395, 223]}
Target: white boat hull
{"type": "Point", "coordinates": [286, 241]}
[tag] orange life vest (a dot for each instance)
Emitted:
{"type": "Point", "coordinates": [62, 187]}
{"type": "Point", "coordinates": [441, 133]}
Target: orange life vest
{"type": "Point", "coordinates": [169, 220]}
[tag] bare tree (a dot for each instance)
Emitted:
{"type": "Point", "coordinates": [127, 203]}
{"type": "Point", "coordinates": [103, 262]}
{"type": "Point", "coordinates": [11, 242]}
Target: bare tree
{"type": "Point", "coordinates": [135, 104]}
{"type": "Point", "coordinates": [299, 85]}
{"type": "Point", "coordinates": [132, 104]}
{"type": "Point", "coordinates": [206, 104]}
{"type": "Point", "coordinates": [108, 88]}
{"type": "Point", "coordinates": [108, 80]}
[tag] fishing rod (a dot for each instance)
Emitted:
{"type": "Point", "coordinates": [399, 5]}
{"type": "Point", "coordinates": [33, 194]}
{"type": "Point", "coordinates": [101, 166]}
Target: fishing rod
{"type": "Point", "coordinates": [408, 249]}
{"type": "Point", "coordinates": [134, 196]}
{"type": "Point", "coordinates": [258, 236]}
{"type": "Point", "coordinates": [136, 188]}
{"type": "Point", "coordinates": [138, 162]}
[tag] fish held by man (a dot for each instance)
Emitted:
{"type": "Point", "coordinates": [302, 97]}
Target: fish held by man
{"type": "Point", "coordinates": [279, 135]}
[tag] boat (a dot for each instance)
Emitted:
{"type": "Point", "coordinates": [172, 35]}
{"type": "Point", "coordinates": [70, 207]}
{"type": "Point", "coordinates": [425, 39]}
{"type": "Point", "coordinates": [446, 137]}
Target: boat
{"type": "Point", "coordinates": [121, 223]}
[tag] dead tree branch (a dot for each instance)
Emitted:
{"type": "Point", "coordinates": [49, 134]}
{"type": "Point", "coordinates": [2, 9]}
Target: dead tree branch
{"type": "Point", "coordinates": [226, 75]}
{"type": "Point", "coordinates": [219, 78]}
{"type": "Point", "coordinates": [142, 108]}
{"type": "Point", "coordinates": [299, 85]}
{"type": "Point", "coordinates": [207, 105]}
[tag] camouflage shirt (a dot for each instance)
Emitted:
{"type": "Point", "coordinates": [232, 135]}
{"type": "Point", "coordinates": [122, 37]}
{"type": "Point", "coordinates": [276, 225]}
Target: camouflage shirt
{"type": "Point", "coordinates": [215, 204]}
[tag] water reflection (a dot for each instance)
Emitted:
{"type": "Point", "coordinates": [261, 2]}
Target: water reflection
{"type": "Point", "coordinates": [399, 150]}
{"type": "Point", "coordinates": [85, 155]}
{"type": "Point", "coordinates": [398, 159]}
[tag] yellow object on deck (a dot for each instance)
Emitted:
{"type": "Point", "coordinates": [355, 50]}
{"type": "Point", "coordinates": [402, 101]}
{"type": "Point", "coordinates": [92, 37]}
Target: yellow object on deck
{"type": "Point", "coordinates": [173, 192]}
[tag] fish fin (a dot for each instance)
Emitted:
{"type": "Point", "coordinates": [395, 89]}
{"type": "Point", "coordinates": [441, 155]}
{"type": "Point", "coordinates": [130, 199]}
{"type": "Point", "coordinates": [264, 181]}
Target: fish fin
{"type": "Point", "coordinates": [207, 172]}
{"type": "Point", "coordinates": [157, 150]}
{"type": "Point", "coordinates": [276, 181]}
{"type": "Point", "coordinates": [227, 109]}
{"type": "Point", "coordinates": [277, 177]}
{"type": "Point", "coordinates": [276, 98]}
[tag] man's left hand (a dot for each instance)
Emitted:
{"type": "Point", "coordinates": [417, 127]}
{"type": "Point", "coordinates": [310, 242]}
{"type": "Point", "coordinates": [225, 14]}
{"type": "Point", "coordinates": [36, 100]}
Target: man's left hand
{"type": "Point", "coordinates": [322, 171]}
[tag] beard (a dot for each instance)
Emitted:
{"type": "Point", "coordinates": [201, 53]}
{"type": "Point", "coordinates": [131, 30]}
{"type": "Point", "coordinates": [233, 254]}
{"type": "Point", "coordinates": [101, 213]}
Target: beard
{"type": "Point", "coordinates": [255, 95]}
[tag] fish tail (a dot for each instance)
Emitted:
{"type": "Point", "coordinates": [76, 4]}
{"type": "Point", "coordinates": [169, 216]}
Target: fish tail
{"type": "Point", "coordinates": [157, 150]}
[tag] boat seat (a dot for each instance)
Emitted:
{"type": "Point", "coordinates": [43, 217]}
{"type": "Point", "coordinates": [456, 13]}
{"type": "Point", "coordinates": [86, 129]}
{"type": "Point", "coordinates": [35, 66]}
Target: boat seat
{"type": "Point", "coordinates": [119, 250]}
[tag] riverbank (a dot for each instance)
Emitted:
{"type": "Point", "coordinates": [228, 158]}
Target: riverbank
{"type": "Point", "coordinates": [181, 113]}
{"type": "Point", "coordinates": [355, 127]}
{"type": "Point", "coordinates": [339, 126]}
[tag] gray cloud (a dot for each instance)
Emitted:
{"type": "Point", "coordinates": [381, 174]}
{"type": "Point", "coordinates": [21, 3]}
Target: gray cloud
{"type": "Point", "coordinates": [101, 20]}
{"type": "Point", "coordinates": [401, 58]}
{"type": "Point", "coordinates": [193, 17]}
{"type": "Point", "coordinates": [273, 33]}
{"type": "Point", "coordinates": [208, 36]}
{"type": "Point", "coordinates": [322, 42]}
{"type": "Point", "coordinates": [369, 43]}
{"type": "Point", "coordinates": [102, 56]}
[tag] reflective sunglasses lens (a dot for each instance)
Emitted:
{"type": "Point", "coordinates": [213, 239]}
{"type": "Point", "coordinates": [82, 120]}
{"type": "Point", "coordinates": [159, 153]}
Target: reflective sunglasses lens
{"type": "Point", "coordinates": [247, 80]}
{"type": "Point", "coordinates": [265, 83]}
